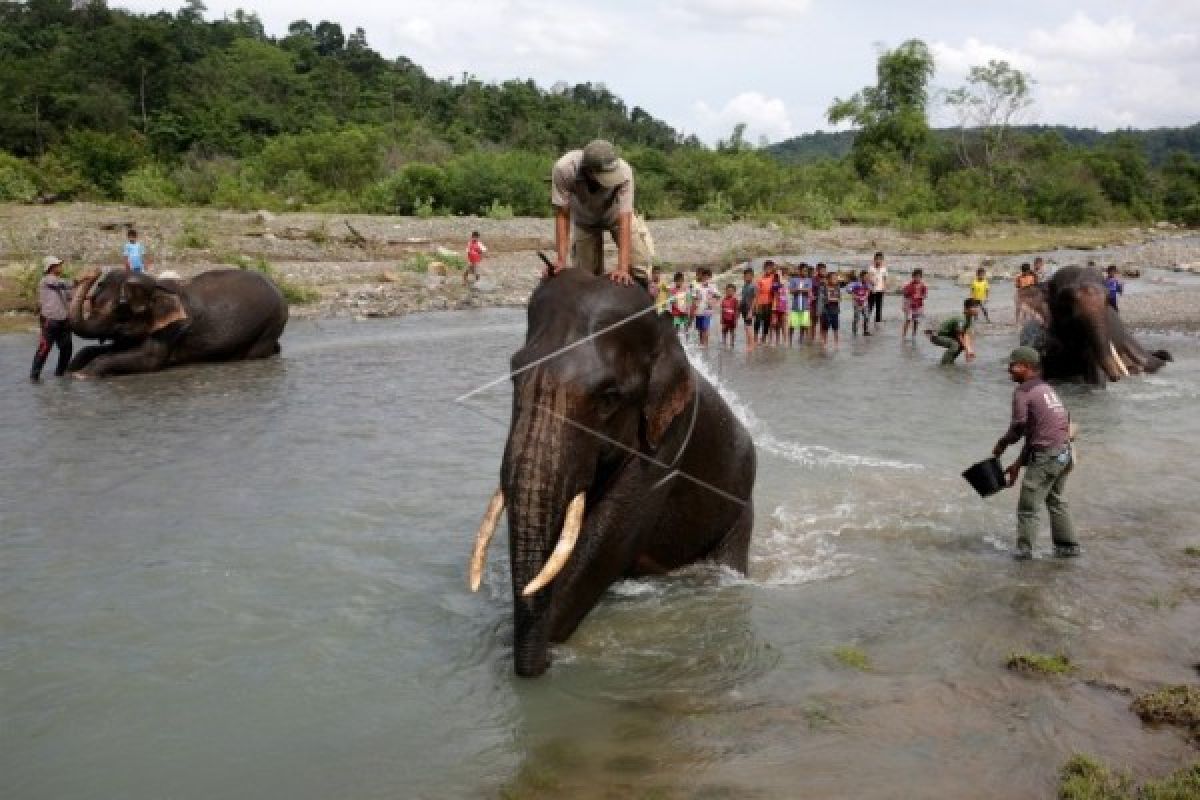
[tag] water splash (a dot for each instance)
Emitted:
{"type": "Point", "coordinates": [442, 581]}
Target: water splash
{"type": "Point", "coordinates": [807, 455]}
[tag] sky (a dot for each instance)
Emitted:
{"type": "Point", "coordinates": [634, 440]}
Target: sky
{"type": "Point", "coordinates": [703, 66]}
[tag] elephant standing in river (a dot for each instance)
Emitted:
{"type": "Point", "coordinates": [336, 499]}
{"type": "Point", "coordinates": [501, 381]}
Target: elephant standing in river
{"type": "Point", "coordinates": [1081, 337]}
{"type": "Point", "coordinates": [621, 460]}
{"type": "Point", "coordinates": [222, 315]}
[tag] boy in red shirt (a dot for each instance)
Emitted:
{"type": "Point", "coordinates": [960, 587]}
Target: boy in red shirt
{"type": "Point", "coordinates": [730, 308]}
{"type": "Point", "coordinates": [915, 292]}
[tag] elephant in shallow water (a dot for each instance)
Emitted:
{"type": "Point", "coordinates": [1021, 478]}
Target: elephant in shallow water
{"type": "Point", "coordinates": [621, 460]}
{"type": "Point", "coordinates": [1081, 337]}
{"type": "Point", "coordinates": [221, 315]}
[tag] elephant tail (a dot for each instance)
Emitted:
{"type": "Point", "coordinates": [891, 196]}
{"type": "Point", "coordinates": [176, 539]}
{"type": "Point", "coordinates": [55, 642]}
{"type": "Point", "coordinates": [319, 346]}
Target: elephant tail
{"type": "Point", "coordinates": [1162, 355]}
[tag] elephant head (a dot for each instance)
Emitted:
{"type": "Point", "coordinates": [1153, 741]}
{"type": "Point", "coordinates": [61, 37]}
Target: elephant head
{"type": "Point", "coordinates": [121, 305]}
{"type": "Point", "coordinates": [1079, 335]}
{"type": "Point", "coordinates": [597, 384]}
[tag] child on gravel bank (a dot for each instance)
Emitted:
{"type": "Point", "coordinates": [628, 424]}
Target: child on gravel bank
{"type": "Point", "coordinates": [1113, 286]}
{"type": "Point", "coordinates": [475, 252]}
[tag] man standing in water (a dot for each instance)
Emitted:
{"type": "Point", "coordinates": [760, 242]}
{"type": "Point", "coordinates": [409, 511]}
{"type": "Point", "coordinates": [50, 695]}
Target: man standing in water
{"type": "Point", "coordinates": [54, 300]}
{"type": "Point", "coordinates": [592, 193]}
{"type": "Point", "coordinates": [1039, 416]}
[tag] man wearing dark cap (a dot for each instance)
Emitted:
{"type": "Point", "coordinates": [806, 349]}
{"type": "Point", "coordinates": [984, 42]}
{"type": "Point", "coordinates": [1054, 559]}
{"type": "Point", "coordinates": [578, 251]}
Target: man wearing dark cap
{"type": "Point", "coordinates": [1039, 417]}
{"type": "Point", "coordinates": [592, 193]}
{"type": "Point", "coordinates": [54, 302]}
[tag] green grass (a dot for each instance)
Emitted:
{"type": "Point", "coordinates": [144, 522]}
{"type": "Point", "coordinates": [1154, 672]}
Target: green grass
{"type": "Point", "coordinates": [1084, 778]}
{"type": "Point", "coordinates": [852, 657]}
{"type": "Point", "coordinates": [1040, 663]}
{"type": "Point", "coordinates": [1194, 552]}
{"type": "Point", "coordinates": [193, 237]}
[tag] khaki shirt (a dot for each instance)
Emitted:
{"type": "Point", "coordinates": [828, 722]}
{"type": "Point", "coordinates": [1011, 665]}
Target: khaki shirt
{"type": "Point", "coordinates": [589, 209]}
{"type": "Point", "coordinates": [54, 298]}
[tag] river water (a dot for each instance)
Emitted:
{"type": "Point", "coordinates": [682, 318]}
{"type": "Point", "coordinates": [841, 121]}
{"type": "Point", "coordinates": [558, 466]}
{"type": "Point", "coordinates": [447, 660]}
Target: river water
{"type": "Point", "coordinates": [249, 581]}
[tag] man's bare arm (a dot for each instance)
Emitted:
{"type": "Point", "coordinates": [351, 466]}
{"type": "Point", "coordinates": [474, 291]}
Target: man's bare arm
{"type": "Point", "coordinates": [562, 234]}
{"type": "Point", "coordinates": [624, 247]}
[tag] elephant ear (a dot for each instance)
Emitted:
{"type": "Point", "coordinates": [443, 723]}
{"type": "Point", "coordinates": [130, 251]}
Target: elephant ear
{"type": "Point", "coordinates": [672, 387]}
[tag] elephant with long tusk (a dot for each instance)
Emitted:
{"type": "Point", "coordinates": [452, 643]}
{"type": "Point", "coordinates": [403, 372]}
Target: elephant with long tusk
{"type": "Point", "coordinates": [609, 470]}
{"type": "Point", "coordinates": [1079, 336]}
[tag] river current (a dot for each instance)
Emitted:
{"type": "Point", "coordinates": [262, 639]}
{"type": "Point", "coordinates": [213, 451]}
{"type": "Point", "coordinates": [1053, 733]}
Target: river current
{"type": "Point", "coordinates": [249, 580]}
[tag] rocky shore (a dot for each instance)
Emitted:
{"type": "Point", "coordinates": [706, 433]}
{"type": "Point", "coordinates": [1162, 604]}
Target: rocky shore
{"type": "Point", "coordinates": [376, 266]}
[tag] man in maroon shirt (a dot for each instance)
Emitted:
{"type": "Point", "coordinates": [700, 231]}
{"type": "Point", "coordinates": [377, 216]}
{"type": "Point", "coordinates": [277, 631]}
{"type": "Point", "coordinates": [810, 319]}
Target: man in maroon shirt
{"type": "Point", "coordinates": [1039, 416]}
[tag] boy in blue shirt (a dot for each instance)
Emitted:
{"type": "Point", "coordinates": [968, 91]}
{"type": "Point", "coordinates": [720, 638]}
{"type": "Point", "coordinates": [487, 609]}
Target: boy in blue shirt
{"type": "Point", "coordinates": [135, 254]}
{"type": "Point", "coordinates": [1114, 287]}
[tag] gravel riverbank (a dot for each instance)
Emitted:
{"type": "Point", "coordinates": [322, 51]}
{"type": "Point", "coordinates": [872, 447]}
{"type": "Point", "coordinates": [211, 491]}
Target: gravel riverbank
{"type": "Point", "coordinates": [369, 266]}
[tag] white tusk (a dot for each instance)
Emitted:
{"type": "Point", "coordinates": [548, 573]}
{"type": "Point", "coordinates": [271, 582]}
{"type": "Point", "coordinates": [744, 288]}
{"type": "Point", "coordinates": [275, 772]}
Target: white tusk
{"type": "Point", "coordinates": [562, 550]}
{"type": "Point", "coordinates": [1117, 357]}
{"type": "Point", "coordinates": [487, 529]}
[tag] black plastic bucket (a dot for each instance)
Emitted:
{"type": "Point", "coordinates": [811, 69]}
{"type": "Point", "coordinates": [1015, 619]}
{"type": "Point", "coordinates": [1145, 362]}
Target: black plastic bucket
{"type": "Point", "coordinates": [986, 477]}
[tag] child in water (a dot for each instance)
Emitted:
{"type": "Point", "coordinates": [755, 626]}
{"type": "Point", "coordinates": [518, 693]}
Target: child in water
{"type": "Point", "coordinates": [915, 292]}
{"type": "Point", "coordinates": [980, 288]}
{"type": "Point", "coordinates": [831, 309]}
{"type": "Point", "coordinates": [730, 308]}
{"type": "Point", "coordinates": [680, 306]}
{"type": "Point", "coordinates": [860, 291]}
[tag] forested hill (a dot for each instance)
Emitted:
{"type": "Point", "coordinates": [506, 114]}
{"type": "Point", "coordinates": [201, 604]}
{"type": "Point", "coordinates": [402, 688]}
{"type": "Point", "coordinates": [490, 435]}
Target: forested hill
{"type": "Point", "coordinates": [184, 84]}
{"type": "Point", "coordinates": [1156, 143]}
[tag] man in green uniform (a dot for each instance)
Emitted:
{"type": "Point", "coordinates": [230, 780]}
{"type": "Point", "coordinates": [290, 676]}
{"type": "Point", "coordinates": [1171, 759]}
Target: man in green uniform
{"type": "Point", "coordinates": [955, 333]}
{"type": "Point", "coordinates": [1041, 419]}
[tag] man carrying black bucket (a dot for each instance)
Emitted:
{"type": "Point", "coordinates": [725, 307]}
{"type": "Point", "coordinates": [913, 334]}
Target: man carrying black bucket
{"type": "Point", "coordinates": [1039, 417]}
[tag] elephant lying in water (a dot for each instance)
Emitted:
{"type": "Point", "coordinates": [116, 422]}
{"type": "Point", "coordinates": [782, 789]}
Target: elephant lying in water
{"type": "Point", "coordinates": [1080, 337]}
{"type": "Point", "coordinates": [222, 315]}
{"type": "Point", "coordinates": [621, 460]}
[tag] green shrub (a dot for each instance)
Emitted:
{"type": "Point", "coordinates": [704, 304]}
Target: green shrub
{"type": "Point", "coordinates": [499, 210]}
{"type": "Point", "coordinates": [1040, 663]}
{"type": "Point", "coordinates": [16, 180]}
{"type": "Point", "coordinates": [149, 185]}
{"type": "Point", "coordinates": [424, 208]}
{"type": "Point", "coordinates": [102, 158]}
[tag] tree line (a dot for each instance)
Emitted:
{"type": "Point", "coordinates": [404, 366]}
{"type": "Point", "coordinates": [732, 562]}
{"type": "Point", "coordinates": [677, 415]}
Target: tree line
{"type": "Point", "coordinates": [173, 109]}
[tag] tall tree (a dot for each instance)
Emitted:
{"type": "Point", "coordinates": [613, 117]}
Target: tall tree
{"type": "Point", "coordinates": [891, 115]}
{"type": "Point", "coordinates": [993, 99]}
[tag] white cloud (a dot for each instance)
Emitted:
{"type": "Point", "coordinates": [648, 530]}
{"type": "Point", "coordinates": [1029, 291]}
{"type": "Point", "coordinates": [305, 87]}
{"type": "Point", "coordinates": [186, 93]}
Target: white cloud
{"type": "Point", "coordinates": [1105, 74]}
{"type": "Point", "coordinates": [763, 116]}
{"type": "Point", "coordinates": [723, 16]}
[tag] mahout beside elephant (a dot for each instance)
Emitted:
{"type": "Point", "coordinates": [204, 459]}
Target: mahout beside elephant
{"type": "Point", "coordinates": [621, 461]}
{"type": "Point", "coordinates": [1079, 336]}
{"type": "Point", "coordinates": [149, 324]}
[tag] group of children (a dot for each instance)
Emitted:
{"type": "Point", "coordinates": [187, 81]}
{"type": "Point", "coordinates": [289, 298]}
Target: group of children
{"type": "Point", "coordinates": [783, 304]}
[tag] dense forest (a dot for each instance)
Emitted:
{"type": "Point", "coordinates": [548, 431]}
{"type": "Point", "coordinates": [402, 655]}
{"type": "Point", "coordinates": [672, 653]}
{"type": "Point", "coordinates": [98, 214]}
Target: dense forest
{"type": "Point", "coordinates": [174, 109]}
{"type": "Point", "coordinates": [1157, 143]}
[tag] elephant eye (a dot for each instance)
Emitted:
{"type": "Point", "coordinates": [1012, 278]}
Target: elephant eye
{"type": "Point", "coordinates": [608, 400]}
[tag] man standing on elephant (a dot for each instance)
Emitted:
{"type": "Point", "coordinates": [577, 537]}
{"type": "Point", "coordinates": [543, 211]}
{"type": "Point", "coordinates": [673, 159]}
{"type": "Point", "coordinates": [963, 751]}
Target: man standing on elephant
{"type": "Point", "coordinates": [54, 301]}
{"type": "Point", "coordinates": [592, 193]}
{"type": "Point", "coordinates": [1039, 416]}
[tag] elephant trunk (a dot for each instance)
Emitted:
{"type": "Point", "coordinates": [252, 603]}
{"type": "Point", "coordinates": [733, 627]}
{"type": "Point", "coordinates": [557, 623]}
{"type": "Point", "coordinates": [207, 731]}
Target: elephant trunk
{"type": "Point", "coordinates": [81, 325]}
{"type": "Point", "coordinates": [539, 478]}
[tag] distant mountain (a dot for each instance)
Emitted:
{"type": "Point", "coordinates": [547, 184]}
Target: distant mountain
{"type": "Point", "coordinates": [1158, 143]}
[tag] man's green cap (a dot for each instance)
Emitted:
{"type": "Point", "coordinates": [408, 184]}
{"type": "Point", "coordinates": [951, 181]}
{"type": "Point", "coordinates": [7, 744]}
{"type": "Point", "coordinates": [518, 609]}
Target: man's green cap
{"type": "Point", "coordinates": [600, 159]}
{"type": "Point", "coordinates": [1025, 355]}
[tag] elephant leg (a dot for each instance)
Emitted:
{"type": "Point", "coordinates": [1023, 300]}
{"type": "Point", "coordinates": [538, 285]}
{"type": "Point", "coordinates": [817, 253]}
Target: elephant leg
{"type": "Point", "coordinates": [87, 355]}
{"type": "Point", "coordinates": [149, 356]}
{"type": "Point", "coordinates": [263, 348]}
{"type": "Point", "coordinates": [733, 550]}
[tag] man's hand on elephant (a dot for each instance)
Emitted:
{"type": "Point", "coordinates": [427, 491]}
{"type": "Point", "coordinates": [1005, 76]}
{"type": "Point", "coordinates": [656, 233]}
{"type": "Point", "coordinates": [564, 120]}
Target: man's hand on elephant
{"type": "Point", "coordinates": [621, 277]}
